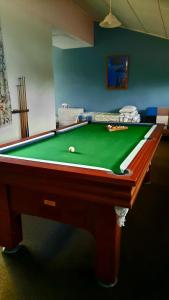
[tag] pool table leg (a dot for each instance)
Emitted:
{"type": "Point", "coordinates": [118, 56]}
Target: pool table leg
{"type": "Point", "coordinates": [108, 237]}
{"type": "Point", "coordinates": [10, 222]}
{"type": "Point", "coordinates": [147, 178]}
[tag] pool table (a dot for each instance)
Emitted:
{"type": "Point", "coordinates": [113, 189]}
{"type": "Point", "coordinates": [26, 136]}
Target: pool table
{"type": "Point", "coordinates": [92, 188]}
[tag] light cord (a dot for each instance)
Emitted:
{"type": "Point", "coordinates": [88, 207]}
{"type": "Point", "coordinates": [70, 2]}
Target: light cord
{"type": "Point", "coordinates": [110, 6]}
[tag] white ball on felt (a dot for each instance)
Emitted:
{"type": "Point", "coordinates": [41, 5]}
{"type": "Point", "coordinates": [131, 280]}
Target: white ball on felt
{"type": "Point", "coordinates": [71, 149]}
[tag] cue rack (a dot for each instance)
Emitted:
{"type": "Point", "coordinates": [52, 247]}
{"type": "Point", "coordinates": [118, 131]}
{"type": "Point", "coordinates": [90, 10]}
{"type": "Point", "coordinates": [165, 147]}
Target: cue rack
{"type": "Point", "coordinates": [23, 110]}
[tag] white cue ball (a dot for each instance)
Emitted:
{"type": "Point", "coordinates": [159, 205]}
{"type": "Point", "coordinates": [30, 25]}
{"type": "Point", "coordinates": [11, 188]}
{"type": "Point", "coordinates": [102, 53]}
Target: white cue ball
{"type": "Point", "coordinates": [71, 149]}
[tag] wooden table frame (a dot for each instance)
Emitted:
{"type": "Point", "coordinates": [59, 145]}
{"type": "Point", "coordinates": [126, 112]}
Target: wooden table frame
{"type": "Point", "coordinates": [81, 197]}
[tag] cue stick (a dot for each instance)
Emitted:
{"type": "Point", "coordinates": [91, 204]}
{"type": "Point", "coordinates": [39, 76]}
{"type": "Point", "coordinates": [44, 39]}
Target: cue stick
{"type": "Point", "coordinates": [26, 113]}
{"type": "Point", "coordinates": [20, 107]}
{"type": "Point", "coordinates": [22, 112]}
{"type": "Point", "coordinates": [23, 103]}
{"type": "Point", "coordinates": [24, 106]}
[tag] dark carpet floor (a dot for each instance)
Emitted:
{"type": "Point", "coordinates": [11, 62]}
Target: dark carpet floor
{"type": "Point", "coordinates": [57, 261]}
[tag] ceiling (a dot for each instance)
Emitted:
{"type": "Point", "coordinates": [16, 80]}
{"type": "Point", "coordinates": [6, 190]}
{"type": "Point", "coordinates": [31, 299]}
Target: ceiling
{"type": "Point", "coordinates": [146, 16]}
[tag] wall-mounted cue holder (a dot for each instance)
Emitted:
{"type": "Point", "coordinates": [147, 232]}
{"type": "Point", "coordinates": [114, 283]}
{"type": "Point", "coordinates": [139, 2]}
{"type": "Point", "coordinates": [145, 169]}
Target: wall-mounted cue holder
{"type": "Point", "coordinates": [17, 111]}
{"type": "Point", "coordinates": [23, 110]}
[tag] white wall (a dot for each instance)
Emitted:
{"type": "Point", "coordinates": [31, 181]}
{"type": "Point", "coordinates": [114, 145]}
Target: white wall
{"type": "Point", "coordinates": [28, 52]}
{"type": "Point", "coordinates": [63, 14]}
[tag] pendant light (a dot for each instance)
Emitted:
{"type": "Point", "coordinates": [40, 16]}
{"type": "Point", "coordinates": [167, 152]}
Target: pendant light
{"type": "Point", "coordinates": [110, 21]}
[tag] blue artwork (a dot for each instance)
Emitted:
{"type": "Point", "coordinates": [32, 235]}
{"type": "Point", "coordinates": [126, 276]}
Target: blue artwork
{"type": "Point", "coordinates": [117, 72]}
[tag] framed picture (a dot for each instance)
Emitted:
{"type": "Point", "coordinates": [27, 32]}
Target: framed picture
{"type": "Point", "coordinates": [117, 72]}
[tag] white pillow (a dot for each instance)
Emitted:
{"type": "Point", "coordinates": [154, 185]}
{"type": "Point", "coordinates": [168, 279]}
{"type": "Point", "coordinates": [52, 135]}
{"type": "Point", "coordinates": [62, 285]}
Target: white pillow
{"type": "Point", "coordinates": [128, 109]}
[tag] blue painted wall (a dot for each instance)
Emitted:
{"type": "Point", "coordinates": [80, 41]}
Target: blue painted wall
{"type": "Point", "coordinates": [80, 74]}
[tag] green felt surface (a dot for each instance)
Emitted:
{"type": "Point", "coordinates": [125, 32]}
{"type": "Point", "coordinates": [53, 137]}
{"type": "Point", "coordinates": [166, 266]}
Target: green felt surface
{"type": "Point", "coordinates": [95, 146]}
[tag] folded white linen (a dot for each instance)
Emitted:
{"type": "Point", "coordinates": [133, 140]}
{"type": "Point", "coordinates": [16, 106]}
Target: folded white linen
{"type": "Point", "coordinates": [128, 109]}
{"type": "Point", "coordinates": [135, 113]}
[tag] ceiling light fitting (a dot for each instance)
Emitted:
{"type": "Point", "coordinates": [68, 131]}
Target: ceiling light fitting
{"type": "Point", "coordinates": [110, 21]}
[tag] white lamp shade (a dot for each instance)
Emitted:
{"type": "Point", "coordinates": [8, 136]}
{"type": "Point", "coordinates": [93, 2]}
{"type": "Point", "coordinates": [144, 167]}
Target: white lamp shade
{"type": "Point", "coordinates": [110, 21]}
